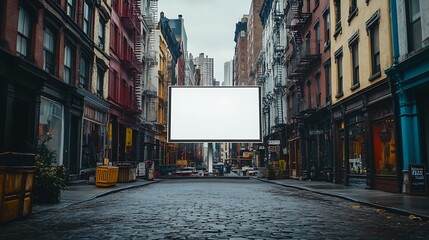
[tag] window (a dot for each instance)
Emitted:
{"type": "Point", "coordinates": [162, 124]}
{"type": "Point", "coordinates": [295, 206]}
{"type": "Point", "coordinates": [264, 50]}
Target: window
{"type": "Point", "coordinates": [372, 27]}
{"type": "Point", "coordinates": [317, 30]}
{"type": "Point", "coordinates": [71, 8]}
{"type": "Point", "coordinates": [115, 38]}
{"type": "Point", "coordinates": [337, 4]}
{"type": "Point", "coordinates": [242, 34]}
{"type": "Point", "coordinates": [353, 10]}
{"type": "Point", "coordinates": [86, 18]}
{"type": "Point", "coordinates": [354, 49]}
{"type": "Point", "coordinates": [355, 64]}
{"type": "Point", "coordinates": [414, 25]}
{"type": "Point", "coordinates": [356, 140]}
{"type": "Point", "coordinates": [83, 72]}
{"type": "Point", "coordinates": [24, 33]}
{"type": "Point", "coordinates": [375, 50]}
{"type": "Point", "coordinates": [339, 61]}
{"type": "Point", "coordinates": [68, 60]}
{"type": "Point", "coordinates": [384, 147]}
{"type": "Point", "coordinates": [318, 93]}
{"type": "Point", "coordinates": [101, 34]}
{"type": "Point", "coordinates": [327, 68]}
{"type": "Point", "coordinates": [100, 82]}
{"type": "Point", "coordinates": [326, 30]}
{"type": "Point", "coordinates": [51, 123]}
{"type": "Point", "coordinates": [310, 104]}
{"type": "Point", "coordinates": [49, 52]}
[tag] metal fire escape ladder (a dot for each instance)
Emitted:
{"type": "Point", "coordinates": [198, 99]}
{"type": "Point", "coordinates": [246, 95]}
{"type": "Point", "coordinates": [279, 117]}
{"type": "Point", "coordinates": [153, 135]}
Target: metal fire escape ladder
{"type": "Point", "coordinates": [278, 61]}
{"type": "Point", "coordinates": [138, 85]}
{"type": "Point", "coordinates": [150, 91]}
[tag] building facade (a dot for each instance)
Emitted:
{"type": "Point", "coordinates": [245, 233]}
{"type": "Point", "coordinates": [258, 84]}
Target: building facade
{"type": "Point", "coordinates": [308, 89]}
{"type": "Point", "coordinates": [62, 47]}
{"type": "Point", "coordinates": [271, 76]}
{"type": "Point", "coordinates": [125, 73]}
{"type": "Point", "coordinates": [408, 77]}
{"type": "Point", "coordinates": [254, 39]}
{"type": "Point", "coordinates": [362, 106]}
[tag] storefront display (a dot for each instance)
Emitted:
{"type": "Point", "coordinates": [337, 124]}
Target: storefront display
{"type": "Point", "coordinates": [384, 147]}
{"type": "Point", "coordinates": [51, 126]}
{"type": "Point", "coordinates": [93, 138]}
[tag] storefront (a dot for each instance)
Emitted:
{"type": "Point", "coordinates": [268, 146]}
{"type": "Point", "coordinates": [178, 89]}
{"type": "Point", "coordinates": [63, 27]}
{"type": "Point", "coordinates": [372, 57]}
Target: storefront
{"type": "Point", "coordinates": [93, 137]}
{"type": "Point", "coordinates": [94, 131]}
{"type": "Point", "coordinates": [364, 140]}
{"type": "Point", "coordinates": [410, 81]}
{"type": "Point", "coordinates": [294, 150]}
{"type": "Point", "coordinates": [318, 145]}
{"type": "Point", "coordinates": [51, 126]}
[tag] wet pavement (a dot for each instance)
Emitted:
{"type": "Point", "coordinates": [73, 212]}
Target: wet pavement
{"type": "Point", "coordinates": [216, 209]}
{"type": "Point", "coordinates": [396, 202]}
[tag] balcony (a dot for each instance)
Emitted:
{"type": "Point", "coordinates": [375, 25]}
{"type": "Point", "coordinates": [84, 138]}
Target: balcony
{"type": "Point", "coordinates": [296, 109]}
{"type": "Point", "coordinates": [128, 14]}
{"type": "Point", "coordinates": [150, 20]}
{"type": "Point", "coordinates": [302, 58]}
{"type": "Point", "coordinates": [131, 62]}
{"type": "Point", "coordinates": [149, 91]}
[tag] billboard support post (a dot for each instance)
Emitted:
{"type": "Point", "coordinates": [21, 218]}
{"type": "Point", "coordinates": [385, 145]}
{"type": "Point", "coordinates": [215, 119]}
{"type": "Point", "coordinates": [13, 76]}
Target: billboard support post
{"type": "Point", "coordinates": [210, 158]}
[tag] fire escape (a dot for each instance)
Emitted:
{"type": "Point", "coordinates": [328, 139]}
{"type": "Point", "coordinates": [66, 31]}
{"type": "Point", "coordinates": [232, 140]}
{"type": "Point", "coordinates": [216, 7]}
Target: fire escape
{"type": "Point", "coordinates": [149, 55]}
{"type": "Point", "coordinates": [301, 56]}
{"type": "Point", "coordinates": [278, 68]}
{"type": "Point", "coordinates": [130, 16]}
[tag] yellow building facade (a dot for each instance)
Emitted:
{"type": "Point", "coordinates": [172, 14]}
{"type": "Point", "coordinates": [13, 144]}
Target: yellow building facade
{"type": "Point", "coordinates": [168, 150]}
{"type": "Point", "coordinates": [355, 28]}
{"type": "Point", "coordinates": [362, 104]}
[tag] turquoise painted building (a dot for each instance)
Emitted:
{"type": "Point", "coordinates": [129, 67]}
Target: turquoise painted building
{"type": "Point", "coordinates": [409, 78]}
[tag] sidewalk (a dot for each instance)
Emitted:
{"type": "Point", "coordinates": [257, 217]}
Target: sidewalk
{"type": "Point", "coordinates": [396, 202]}
{"type": "Point", "coordinates": [85, 192]}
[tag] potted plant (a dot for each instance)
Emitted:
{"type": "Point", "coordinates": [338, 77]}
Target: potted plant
{"type": "Point", "coordinates": [271, 172]}
{"type": "Point", "coordinates": [50, 179]}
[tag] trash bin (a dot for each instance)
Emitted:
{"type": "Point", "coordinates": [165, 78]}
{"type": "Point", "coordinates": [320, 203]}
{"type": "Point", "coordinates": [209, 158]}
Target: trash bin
{"type": "Point", "coordinates": [16, 185]}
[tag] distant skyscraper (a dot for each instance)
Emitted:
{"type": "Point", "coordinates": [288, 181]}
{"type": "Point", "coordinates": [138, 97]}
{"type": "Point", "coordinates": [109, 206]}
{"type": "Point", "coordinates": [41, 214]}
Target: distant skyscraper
{"type": "Point", "coordinates": [206, 66]}
{"type": "Point", "coordinates": [228, 73]}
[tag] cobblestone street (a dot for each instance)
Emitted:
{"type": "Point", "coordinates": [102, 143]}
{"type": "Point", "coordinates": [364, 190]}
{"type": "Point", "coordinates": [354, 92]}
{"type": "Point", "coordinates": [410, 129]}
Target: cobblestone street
{"type": "Point", "coordinates": [216, 209]}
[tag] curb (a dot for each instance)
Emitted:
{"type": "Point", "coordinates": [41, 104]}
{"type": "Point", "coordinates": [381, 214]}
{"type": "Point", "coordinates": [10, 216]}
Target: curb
{"type": "Point", "coordinates": [96, 196]}
{"type": "Point", "coordinates": [390, 209]}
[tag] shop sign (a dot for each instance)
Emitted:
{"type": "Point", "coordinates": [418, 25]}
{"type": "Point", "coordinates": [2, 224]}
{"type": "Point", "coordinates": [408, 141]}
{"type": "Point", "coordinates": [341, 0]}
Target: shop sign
{"type": "Point", "coordinates": [316, 132]}
{"type": "Point", "coordinates": [273, 142]}
{"type": "Point", "coordinates": [94, 114]}
{"type": "Point", "coordinates": [129, 137]}
{"type": "Point", "coordinates": [417, 179]}
{"type": "Point", "coordinates": [274, 148]}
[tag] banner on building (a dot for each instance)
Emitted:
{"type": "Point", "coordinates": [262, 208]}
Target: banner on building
{"type": "Point", "coordinates": [129, 137]}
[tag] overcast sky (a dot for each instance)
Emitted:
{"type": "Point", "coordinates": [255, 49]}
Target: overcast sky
{"type": "Point", "coordinates": [209, 25]}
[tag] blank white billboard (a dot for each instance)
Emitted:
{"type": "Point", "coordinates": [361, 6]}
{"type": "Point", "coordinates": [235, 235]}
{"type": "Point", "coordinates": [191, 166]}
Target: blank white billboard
{"type": "Point", "coordinates": [214, 114]}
